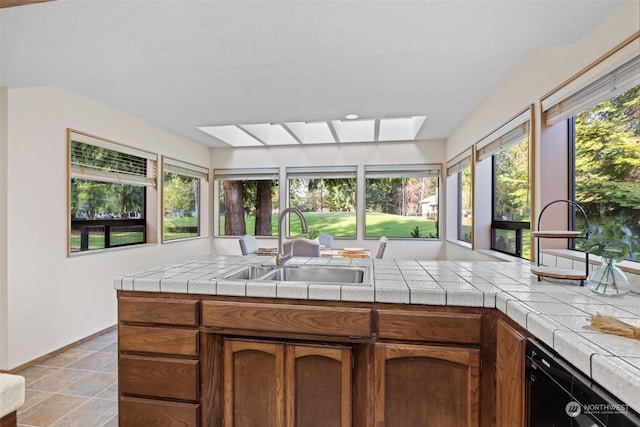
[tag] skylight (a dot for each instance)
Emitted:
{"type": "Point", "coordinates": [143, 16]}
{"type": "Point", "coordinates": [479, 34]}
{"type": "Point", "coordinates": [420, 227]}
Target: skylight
{"type": "Point", "coordinates": [312, 132]}
{"type": "Point", "coordinates": [355, 130]}
{"type": "Point", "coordinates": [232, 135]}
{"type": "Point", "coordinates": [270, 134]}
{"type": "Point", "coordinates": [318, 132]}
{"type": "Point", "coordinates": [400, 128]}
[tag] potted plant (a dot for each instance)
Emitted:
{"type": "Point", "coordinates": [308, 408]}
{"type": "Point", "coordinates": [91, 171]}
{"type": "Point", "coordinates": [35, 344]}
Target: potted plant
{"type": "Point", "coordinates": [612, 244]}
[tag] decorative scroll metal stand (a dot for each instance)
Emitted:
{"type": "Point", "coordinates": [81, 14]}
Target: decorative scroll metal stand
{"type": "Point", "coordinates": [558, 273]}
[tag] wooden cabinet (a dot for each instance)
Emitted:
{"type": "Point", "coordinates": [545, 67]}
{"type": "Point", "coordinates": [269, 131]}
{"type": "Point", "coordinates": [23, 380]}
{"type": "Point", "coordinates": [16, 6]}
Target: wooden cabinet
{"type": "Point", "coordinates": [422, 385]}
{"type": "Point", "coordinates": [459, 328]}
{"type": "Point", "coordinates": [287, 318]}
{"type": "Point", "coordinates": [510, 355]}
{"type": "Point", "coordinates": [158, 358]}
{"type": "Point", "coordinates": [189, 360]}
{"type": "Point", "coordinates": [273, 384]}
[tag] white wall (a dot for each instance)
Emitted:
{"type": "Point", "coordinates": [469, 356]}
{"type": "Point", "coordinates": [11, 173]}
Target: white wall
{"type": "Point", "coordinates": [52, 299]}
{"type": "Point", "coordinates": [3, 228]}
{"type": "Point", "coordinates": [333, 155]}
{"type": "Point", "coordinates": [539, 74]}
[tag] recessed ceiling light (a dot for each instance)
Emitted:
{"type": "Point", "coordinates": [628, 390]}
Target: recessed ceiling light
{"type": "Point", "coordinates": [351, 116]}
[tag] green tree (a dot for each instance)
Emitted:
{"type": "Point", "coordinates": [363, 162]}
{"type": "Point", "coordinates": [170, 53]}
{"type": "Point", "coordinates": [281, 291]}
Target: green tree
{"type": "Point", "coordinates": [607, 165]}
{"type": "Point", "coordinates": [512, 200]}
{"type": "Point", "coordinates": [180, 195]}
{"type": "Point", "coordinates": [381, 194]}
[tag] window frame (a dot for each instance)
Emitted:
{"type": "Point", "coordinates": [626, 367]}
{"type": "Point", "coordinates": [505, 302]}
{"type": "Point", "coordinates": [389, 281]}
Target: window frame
{"type": "Point", "coordinates": [87, 172]}
{"type": "Point", "coordinates": [185, 170]}
{"type": "Point", "coordinates": [513, 132]}
{"type": "Point", "coordinates": [395, 171]}
{"type": "Point", "coordinates": [611, 75]}
{"type": "Point", "coordinates": [321, 172]}
{"type": "Point", "coordinates": [455, 168]}
{"type": "Point", "coordinates": [242, 174]}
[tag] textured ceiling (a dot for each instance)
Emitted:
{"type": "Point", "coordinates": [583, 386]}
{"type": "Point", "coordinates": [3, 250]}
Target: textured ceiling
{"type": "Point", "coordinates": [189, 63]}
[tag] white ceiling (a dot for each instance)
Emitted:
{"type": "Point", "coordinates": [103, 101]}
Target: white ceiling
{"type": "Point", "coordinates": [185, 64]}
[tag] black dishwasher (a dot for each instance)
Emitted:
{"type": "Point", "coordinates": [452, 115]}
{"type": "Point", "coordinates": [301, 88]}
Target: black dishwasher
{"type": "Point", "coordinates": [557, 395]}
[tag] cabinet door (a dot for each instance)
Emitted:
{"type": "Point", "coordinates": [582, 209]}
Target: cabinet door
{"type": "Point", "coordinates": [510, 356]}
{"type": "Point", "coordinates": [253, 383]}
{"type": "Point", "coordinates": [318, 387]}
{"type": "Point", "coordinates": [426, 386]}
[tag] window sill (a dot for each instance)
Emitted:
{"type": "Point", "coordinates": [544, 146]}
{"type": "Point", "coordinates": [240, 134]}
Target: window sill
{"type": "Point", "coordinates": [118, 248]}
{"type": "Point", "coordinates": [502, 256]}
{"type": "Point", "coordinates": [461, 243]}
{"type": "Point", "coordinates": [626, 266]}
{"type": "Point", "coordinates": [184, 239]}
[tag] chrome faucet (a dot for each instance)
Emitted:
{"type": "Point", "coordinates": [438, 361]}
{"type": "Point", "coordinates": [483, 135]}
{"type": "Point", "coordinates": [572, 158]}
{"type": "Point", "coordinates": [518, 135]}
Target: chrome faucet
{"type": "Point", "coordinates": [281, 258]}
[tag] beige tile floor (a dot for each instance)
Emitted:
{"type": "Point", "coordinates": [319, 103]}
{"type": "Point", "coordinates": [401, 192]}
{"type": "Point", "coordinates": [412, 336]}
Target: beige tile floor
{"type": "Point", "coordinates": [78, 387]}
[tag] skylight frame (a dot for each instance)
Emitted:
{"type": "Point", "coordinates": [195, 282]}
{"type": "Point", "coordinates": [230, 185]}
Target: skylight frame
{"type": "Point", "coordinates": [385, 129]}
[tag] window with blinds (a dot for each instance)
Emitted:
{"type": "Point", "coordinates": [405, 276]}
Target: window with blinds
{"type": "Point", "coordinates": [327, 197]}
{"type": "Point", "coordinates": [511, 133]}
{"type": "Point", "coordinates": [100, 160]}
{"type": "Point", "coordinates": [181, 196]}
{"type": "Point", "coordinates": [599, 107]}
{"type": "Point", "coordinates": [402, 201]}
{"type": "Point", "coordinates": [507, 148]}
{"type": "Point", "coordinates": [607, 79]}
{"type": "Point", "coordinates": [108, 184]}
{"type": "Point", "coordinates": [459, 174]}
{"type": "Point", "coordinates": [248, 200]}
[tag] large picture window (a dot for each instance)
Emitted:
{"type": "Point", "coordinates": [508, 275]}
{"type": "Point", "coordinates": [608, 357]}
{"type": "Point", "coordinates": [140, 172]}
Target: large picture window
{"type": "Point", "coordinates": [607, 162]}
{"type": "Point", "coordinates": [402, 201]}
{"type": "Point", "coordinates": [602, 110]}
{"type": "Point", "coordinates": [248, 201]}
{"type": "Point", "coordinates": [181, 189]}
{"type": "Point", "coordinates": [108, 186]}
{"type": "Point", "coordinates": [327, 199]}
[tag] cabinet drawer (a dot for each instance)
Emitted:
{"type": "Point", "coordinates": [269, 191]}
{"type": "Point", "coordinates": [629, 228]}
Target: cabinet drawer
{"type": "Point", "coordinates": [159, 377]}
{"type": "Point", "coordinates": [137, 412]}
{"type": "Point", "coordinates": [167, 311]}
{"type": "Point", "coordinates": [149, 339]}
{"type": "Point", "coordinates": [316, 320]}
{"type": "Point", "coordinates": [440, 327]}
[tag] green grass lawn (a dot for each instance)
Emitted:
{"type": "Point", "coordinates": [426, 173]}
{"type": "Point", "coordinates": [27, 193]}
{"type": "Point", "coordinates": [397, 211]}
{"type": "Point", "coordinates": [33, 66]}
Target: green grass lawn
{"type": "Point", "coordinates": [96, 240]}
{"type": "Point", "coordinates": [171, 228]}
{"type": "Point", "coordinates": [343, 224]}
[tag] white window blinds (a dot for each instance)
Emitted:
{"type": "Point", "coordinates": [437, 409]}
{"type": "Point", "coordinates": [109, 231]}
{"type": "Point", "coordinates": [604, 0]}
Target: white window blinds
{"type": "Point", "coordinates": [321, 172]}
{"type": "Point", "coordinates": [97, 159]}
{"type": "Point", "coordinates": [184, 169]}
{"type": "Point", "coordinates": [402, 171]}
{"type": "Point", "coordinates": [459, 163]}
{"type": "Point", "coordinates": [614, 75]}
{"type": "Point", "coordinates": [244, 174]}
{"type": "Point", "coordinates": [511, 133]}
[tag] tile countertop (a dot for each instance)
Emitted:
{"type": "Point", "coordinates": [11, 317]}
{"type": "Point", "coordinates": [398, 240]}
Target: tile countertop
{"type": "Point", "coordinates": [554, 311]}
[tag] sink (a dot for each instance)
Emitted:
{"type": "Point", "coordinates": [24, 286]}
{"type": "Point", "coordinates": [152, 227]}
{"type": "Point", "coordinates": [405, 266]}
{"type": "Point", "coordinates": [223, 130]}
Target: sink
{"type": "Point", "coordinates": [250, 272]}
{"type": "Point", "coordinates": [340, 275]}
{"type": "Point", "coordinates": [320, 274]}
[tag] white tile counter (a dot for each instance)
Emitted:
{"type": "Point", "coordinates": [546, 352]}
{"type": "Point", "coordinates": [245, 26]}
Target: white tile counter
{"type": "Point", "coordinates": [555, 311]}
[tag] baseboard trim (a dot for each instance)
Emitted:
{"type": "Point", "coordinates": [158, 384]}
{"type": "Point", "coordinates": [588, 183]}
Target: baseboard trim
{"type": "Point", "coordinates": [60, 350]}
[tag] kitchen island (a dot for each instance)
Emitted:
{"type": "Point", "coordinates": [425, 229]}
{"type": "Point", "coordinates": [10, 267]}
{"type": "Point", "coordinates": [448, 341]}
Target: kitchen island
{"type": "Point", "coordinates": [436, 340]}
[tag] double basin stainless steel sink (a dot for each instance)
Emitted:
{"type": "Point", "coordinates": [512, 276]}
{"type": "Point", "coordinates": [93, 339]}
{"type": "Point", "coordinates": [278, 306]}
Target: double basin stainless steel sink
{"type": "Point", "coordinates": [321, 274]}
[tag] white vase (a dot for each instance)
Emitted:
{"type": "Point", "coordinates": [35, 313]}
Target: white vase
{"type": "Point", "coordinates": [608, 279]}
